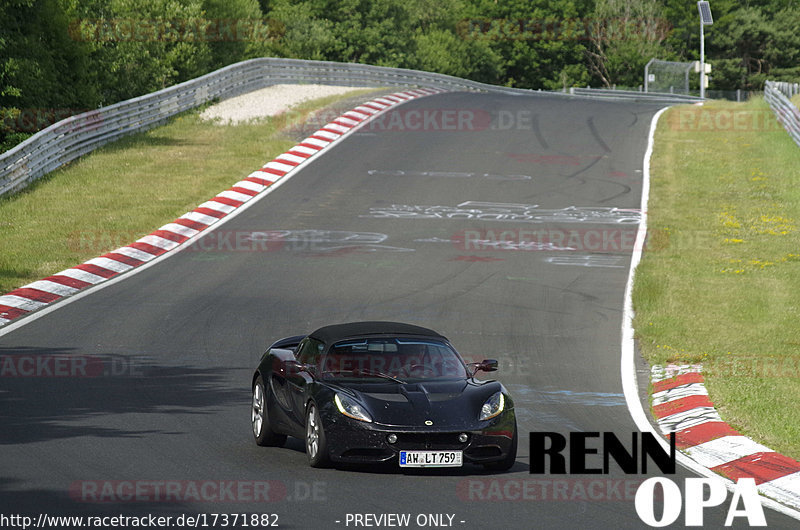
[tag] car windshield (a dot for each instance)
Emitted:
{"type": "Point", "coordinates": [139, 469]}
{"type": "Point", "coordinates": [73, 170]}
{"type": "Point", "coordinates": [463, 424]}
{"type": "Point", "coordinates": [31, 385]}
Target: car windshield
{"type": "Point", "coordinates": [399, 359]}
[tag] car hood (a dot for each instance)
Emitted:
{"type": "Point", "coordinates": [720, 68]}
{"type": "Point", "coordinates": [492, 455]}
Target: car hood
{"type": "Point", "coordinates": [447, 404]}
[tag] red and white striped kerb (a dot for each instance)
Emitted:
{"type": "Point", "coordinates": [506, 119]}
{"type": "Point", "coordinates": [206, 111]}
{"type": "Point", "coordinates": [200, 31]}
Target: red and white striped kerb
{"type": "Point", "coordinates": [681, 405]}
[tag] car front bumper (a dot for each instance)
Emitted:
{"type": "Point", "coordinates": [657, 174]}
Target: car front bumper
{"type": "Point", "coordinates": [359, 442]}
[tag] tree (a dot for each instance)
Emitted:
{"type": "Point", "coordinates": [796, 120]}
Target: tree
{"type": "Point", "coordinates": [753, 44]}
{"type": "Point", "coordinates": [304, 35]}
{"type": "Point", "coordinates": [442, 43]}
{"type": "Point", "coordinates": [535, 40]}
{"type": "Point", "coordinates": [238, 30]}
{"type": "Point", "coordinates": [140, 47]}
{"type": "Point", "coordinates": [624, 36]}
{"type": "Point", "coordinates": [43, 71]}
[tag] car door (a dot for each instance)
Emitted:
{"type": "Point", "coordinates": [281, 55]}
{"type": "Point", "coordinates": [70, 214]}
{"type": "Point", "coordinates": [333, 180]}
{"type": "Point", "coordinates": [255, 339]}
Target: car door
{"type": "Point", "coordinates": [309, 353]}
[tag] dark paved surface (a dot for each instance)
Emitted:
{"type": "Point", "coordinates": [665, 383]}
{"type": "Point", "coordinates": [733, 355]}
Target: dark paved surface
{"type": "Point", "coordinates": [184, 335]}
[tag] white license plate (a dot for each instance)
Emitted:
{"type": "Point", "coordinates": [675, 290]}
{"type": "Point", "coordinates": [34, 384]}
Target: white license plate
{"type": "Point", "coordinates": [431, 458]}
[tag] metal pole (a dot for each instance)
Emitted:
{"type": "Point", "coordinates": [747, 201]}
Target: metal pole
{"type": "Point", "coordinates": [686, 80]}
{"type": "Point", "coordinates": [647, 73]}
{"type": "Point", "coordinates": [702, 61]}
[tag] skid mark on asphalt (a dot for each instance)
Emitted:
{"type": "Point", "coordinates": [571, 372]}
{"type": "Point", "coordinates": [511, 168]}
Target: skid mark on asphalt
{"type": "Point", "coordinates": [593, 129]}
{"type": "Point", "coordinates": [537, 130]}
{"type": "Point", "coordinates": [625, 189]}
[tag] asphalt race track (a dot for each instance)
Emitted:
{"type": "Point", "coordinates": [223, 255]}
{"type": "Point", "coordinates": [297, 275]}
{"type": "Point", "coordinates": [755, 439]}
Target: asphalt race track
{"type": "Point", "coordinates": [385, 226]}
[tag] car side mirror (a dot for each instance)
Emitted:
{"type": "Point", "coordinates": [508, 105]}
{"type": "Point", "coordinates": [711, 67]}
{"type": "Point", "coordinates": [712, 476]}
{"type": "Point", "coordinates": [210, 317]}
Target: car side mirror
{"type": "Point", "coordinates": [291, 367]}
{"type": "Point", "coordinates": [486, 365]}
{"type": "Point", "coordinates": [295, 368]}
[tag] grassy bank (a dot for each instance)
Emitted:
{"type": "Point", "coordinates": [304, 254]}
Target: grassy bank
{"type": "Point", "coordinates": [718, 282]}
{"type": "Point", "coordinates": [128, 189]}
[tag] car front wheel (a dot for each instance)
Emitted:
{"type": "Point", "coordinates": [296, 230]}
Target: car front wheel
{"type": "Point", "coordinates": [259, 417]}
{"type": "Point", "coordinates": [316, 446]}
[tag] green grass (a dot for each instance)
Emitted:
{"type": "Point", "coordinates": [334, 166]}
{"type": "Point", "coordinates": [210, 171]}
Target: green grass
{"type": "Point", "coordinates": [718, 283]}
{"type": "Point", "coordinates": [127, 189]}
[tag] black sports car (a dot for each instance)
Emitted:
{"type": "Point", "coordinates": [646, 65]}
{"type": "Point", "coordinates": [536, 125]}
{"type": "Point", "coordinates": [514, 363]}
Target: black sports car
{"type": "Point", "coordinates": [382, 391]}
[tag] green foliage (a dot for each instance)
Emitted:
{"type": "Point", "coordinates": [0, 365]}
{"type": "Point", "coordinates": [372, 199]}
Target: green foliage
{"type": "Point", "coordinates": [442, 51]}
{"type": "Point", "coordinates": [684, 23]}
{"type": "Point", "coordinates": [304, 36]}
{"type": "Point", "coordinates": [139, 47]}
{"type": "Point", "coordinates": [753, 44]}
{"type": "Point", "coordinates": [41, 67]}
{"type": "Point", "coordinates": [81, 54]}
{"type": "Point", "coordinates": [626, 34]}
{"type": "Point", "coordinates": [535, 40]}
{"type": "Point", "coordinates": [241, 29]}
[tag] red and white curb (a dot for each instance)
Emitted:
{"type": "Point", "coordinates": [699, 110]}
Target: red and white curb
{"type": "Point", "coordinates": [42, 293]}
{"type": "Point", "coordinates": [681, 405]}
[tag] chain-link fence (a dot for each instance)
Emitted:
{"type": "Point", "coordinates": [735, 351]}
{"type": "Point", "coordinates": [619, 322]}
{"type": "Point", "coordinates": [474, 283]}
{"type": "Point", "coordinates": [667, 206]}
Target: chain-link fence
{"type": "Point", "coordinates": [667, 76]}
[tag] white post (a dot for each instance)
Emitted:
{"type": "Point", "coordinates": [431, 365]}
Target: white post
{"type": "Point", "coordinates": [647, 74]}
{"type": "Point", "coordinates": [702, 61]}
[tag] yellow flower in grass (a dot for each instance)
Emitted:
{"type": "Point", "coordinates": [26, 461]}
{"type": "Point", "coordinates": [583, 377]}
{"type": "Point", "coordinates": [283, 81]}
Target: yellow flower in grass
{"type": "Point", "coordinates": [761, 264]}
{"type": "Point", "coordinates": [773, 225]}
{"type": "Point", "coordinates": [732, 271]}
{"type": "Point", "coordinates": [728, 220]}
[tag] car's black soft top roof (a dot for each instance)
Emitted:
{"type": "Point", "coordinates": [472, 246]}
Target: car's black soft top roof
{"type": "Point", "coordinates": [337, 332]}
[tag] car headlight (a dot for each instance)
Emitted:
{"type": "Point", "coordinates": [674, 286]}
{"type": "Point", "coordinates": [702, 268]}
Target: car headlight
{"type": "Point", "coordinates": [350, 408]}
{"type": "Point", "coordinates": [493, 406]}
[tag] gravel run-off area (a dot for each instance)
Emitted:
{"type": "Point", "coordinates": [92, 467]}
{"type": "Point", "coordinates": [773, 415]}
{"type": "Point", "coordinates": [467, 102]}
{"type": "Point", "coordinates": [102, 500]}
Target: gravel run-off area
{"type": "Point", "coordinates": [270, 101]}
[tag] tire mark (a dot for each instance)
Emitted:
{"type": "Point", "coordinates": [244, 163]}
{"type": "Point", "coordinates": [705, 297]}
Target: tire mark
{"type": "Point", "coordinates": [593, 129]}
{"type": "Point", "coordinates": [538, 132]}
{"type": "Point", "coordinates": [625, 190]}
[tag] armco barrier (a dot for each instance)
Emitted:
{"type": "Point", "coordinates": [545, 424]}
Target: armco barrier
{"type": "Point", "coordinates": [68, 139]}
{"type": "Point", "coordinates": [777, 95]}
{"type": "Point", "coordinates": [633, 95]}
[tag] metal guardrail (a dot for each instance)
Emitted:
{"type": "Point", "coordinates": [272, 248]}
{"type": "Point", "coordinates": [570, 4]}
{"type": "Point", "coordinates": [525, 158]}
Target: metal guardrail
{"type": "Point", "coordinates": [77, 135]}
{"type": "Point", "coordinates": [634, 95]}
{"type": "Point", "coordinates": [788, 89]}
{"type": "Point", "coordinates": [777, 95]}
